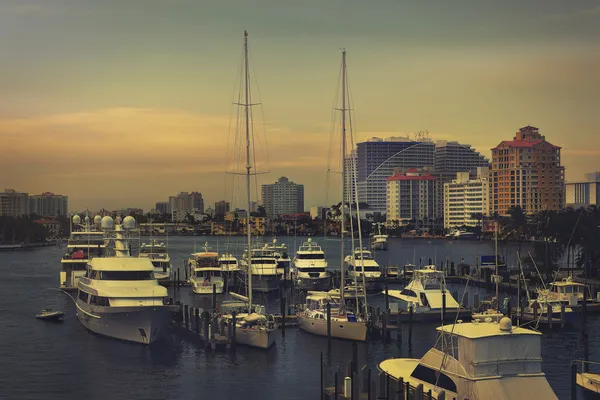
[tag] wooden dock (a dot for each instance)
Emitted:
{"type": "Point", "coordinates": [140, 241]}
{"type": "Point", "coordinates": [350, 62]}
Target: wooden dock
{"type": "Point", "coordinates": [202, 328]}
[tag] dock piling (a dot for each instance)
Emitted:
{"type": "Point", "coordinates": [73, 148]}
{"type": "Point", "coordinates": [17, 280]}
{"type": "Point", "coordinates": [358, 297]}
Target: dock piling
{"type": "Point", "coordinates": [186, 316]}
{"type": "Point", "coordinates": [205, 328]}
{"type": "Point", "coordinates": [549, 316]}
{"type": "Point", "coordinates": [329, 324]}
{"type": "Point", "coordinates": [443, 306]}
{"type": "Point", "coordinates": [562, 315]}
{"type": "Point", "coordinates": [410, 321]}
{"type": "Point", "coordinates": [233, 329]}
{"type": "Point", "coordinates": [573, 381]}
{"type": "Point", "coordinates": [197, 321]}
{"type": "Point", "coordinates": [214, 297]}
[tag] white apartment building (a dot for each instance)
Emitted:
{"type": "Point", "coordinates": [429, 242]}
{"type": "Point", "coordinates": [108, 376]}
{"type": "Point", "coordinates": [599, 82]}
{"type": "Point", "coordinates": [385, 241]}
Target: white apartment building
{"type": "Point", "coordinates": [13, 203]}
{"type": "Point", "coordinates": [464, 197]}
{"type": "Point", "coordinates": [49, 205]}
{"type": "Point", "coordinates": [283, 197]}
{"type": "Point", "coordinates": [583, 193]}
{"type": "Point", "coordinates": [411, 196]}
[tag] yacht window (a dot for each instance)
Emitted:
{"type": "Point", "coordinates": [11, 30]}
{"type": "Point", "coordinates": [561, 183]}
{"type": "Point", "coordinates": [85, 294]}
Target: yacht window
{"type": "Point", "coordinates": [103, 301]}
{"type": "Point", "coordinates": [310, 256]}
{"type": "Point", "coordinates": [228, 262]}
{"type": "Point", "coordinates": [365, 256]}
{"type": "Point", "coordinates": [83, 296]}
{"type": "Point", "coordinates": [126, 275]}
{"type": "Point", "coordinates": [93, 299]}
{"type": "Point", "coordinates": [368, 268]}
{"type": "Point", "coordinates": [283, 264]}
{"type": "Point", "coordinates": [430, 376]}
{"type": "Point", "coordinates": [207, 262]}
{"type": "Point", "coordinates": [408, 292]}
{"type": "Point", "coordinates": [311, 269]}
{"type": "Point", "coordinates": [260, 260]}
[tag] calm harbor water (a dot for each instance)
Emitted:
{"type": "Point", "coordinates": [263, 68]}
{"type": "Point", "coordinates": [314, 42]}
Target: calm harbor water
{"type": "Point", "coordinates": [46, 361]}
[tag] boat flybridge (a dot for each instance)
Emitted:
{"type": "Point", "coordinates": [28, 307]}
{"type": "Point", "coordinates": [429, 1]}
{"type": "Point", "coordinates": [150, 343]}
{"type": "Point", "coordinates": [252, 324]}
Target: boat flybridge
{"type": "Point", "coordinates": [478, 360]}
{"type": "Point", "coordinates": [119, 296]}
{"type": "Point", "coordinates": [265, 275]}
{"type": "Point", "coordinates": [344, 325]}
{"type": "Point", "coordinates": [85, 242]}
{"type": "Point", "coordinates": [379, 241]}
{"type": "Point", "coordinates": [425, 292]}
{"type": "Point", "coordinates": [311, 267]}
{"type": "Point", "coordinates": [157, 253]}
{"type": "Point", "coordinates": [205, 271]}
{"type": "Point", "coordinates": [566, 291]}
{"type": "Point", "coordinates": [360, 263]}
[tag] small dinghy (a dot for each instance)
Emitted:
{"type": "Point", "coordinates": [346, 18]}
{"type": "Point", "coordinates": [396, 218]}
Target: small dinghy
{"type": "Point", "coordinates": [48, 314]}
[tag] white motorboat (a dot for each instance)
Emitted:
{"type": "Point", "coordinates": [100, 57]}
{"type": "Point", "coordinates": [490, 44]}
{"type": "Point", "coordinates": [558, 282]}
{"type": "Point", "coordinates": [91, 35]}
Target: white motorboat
{"type": "Point", "coordinates": [263, 267]}
{"type": "Point", "coordinates": [310, 266]}
{"type": "Point", "coordinates": [86, 242]}
{"type": "Point", "coordinates": [230, 269]}
{"type": "Point", "coordinates": [566, 291]}
{"type": "Point", "coordinates": [379, 241]}
{"type": "Point", "coordinates": [362, 264]}
{"type": "Point", "coordinates": [425, 292]}
{"type": "Point", "coordinates": [206, 275]}
{"type": "Point", "coordinates": [477, 361]}
{"type": "Point", "coordinates": [119, 296]}
{"type": "Point", "coordinates": [280, 251]}
{"type": "Point", "coordinates": [157, 253]}
{"type": "Point", "coordinates": [344, 325]}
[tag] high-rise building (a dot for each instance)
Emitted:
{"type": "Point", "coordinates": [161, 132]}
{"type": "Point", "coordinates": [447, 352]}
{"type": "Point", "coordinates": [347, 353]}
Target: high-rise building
{"type": "Point", "coordinates": [465, 197]}
{"type": "Point", "coordinates": [411, 196]}
{"type": "Point", "coordinates": [583, 193]}
{"type": "Point", "coordinates": [221, 208]}
{"type": "Point", "coordinates": [13, 203]}
{"type": "Point", "coordinates": [49, 205]}
{"type": "Point", "coordinates": [349, 183]}
{"type": "Point", "coordinates": [376, 160]}
{"type": "Point", "coordinates": [185, 203]}
{"type": "Point", "coordinates": [162, 207]}
{"type": "Point", "coordinates": [283, 197]}
{"type": "Point", "coordinates": [526, 172]}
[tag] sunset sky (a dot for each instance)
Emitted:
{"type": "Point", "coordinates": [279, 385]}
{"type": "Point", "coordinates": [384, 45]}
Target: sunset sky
{"type": "Point", "coordinates": [123, 103]}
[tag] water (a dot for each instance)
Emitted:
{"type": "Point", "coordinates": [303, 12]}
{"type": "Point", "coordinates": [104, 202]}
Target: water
{"type": "Point", "coordinates": [44, 360]}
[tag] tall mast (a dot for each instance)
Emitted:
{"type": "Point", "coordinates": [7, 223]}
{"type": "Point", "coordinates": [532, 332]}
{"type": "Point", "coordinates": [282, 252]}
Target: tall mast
{"type": "Point", "coordinates": [248, 166]}
{"type": "Point", "coordinates": [496, 258]}
{"type": "Point", "coordinates": [343, 215]}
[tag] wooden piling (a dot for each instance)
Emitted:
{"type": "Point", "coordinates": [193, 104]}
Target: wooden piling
{"type": "Point", "coordinates": [443, 306]}
{"type": "Point", "coordinates": [205, 328]}
{"type": "Point", "coordinates": [398, 330]}
{"type": "Point", "coordinates": [562, 315]}
{"type": "Point", "coordinates": [354, 357]}
{"type": "Point", "coordinates": [573, 381]}
{"type": "Point", "coordinates": [387, 299]}
{"type": "Point", "coordinates": [214, 297]}
{"type": "Point", "coordinates": [329, 324]}
{"type": "Point", "coordinates": [549, 316]}
{"type": "Point", "coordinates": [535, 309]}
{"type": "Point", "coordinates": [233, 329]}
{"type": "Point", "coordinates": [410, 322]}
{"type": "Point", "coordinates": [400, 389]}
{"type": "Point", "coordinates": [186, 316]}
{"type": "Point", "coordinates": [322, 383]}
{"type": "Point", "coordinates": [197, 320]}
{"type": "Point", "coordinates": [384, 331]}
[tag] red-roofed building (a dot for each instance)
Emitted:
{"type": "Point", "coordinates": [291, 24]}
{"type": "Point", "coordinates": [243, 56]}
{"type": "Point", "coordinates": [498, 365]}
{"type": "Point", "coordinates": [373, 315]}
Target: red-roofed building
{"type": "Point", "coordinates": [411, 195]}
{"type": "Point", "coordinates": [526, 172]}
{"type": "Point", "coordinates": [52, 226]}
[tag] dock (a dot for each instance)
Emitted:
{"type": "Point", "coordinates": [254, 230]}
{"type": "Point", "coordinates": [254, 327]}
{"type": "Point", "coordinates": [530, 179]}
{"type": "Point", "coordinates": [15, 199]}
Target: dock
{"type": "Point", "coordinates": [202, 328]}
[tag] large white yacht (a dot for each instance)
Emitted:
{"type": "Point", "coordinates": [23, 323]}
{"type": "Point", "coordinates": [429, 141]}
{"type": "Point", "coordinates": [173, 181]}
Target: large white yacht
{"type": "Point", "coordinates": [344, 325]}
{"type": "Point", "coordinates": [363, 259]}
{"type": "Point", "coordinates": [86, 242]}
{"type": "Point", "coordinates": [157, 253]}
{"type": "Point", "coordinates": [265, 277]}
{"type": "Point", "coordinates": [119, 296]}
{"type": "Point", "coordinates": [478, 360]}
{"type": "Point", "coordinates": [424, 292]}
{"type": "Point", "coordinates": [205, 271]}
{"type": "Point", "coordinates": [280, 251]}
{"type": "Point", "coordinates": [230, 269]}
{"type": "Point", "coordinates": [311, 267]}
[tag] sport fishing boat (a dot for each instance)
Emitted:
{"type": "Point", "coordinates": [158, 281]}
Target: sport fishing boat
{"type": "Point", "coordinates": [362, 264]}
{"type": "Point", "coordinates": [310, 266]}
{"type": "Point", "coordinates": [157, 253]}
{"type": "Point", "coordinates": [205, 271]}
{"type": "Point", "coordinates": [379, 241]}
{"type": "Point", "coordinates": [477, 361]}
{"type": "Point", "coordinates": [119, 296]}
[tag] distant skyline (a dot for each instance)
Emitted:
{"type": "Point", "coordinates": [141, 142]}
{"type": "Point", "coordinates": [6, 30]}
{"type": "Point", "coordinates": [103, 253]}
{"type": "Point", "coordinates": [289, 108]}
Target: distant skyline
{"type": "Point", "coordinates": [122, 103]}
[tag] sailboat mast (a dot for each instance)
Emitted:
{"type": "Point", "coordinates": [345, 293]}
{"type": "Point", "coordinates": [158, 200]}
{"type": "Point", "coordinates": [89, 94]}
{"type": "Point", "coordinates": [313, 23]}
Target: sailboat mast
{"type": "Point", "coordinates": [496, 258]}
{"type": "Point", "coordinates": [248, 166]}
{"type": "Point", "coordinates": [343, 214]}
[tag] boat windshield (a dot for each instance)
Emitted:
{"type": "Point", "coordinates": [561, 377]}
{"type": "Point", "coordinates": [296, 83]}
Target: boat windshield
{"type": "Point", "coordinates": [312, 256]}
{"type": "Point", "coordinates": [261, 260]}
{"type": "Point", "coordinates": [313, 269]}
{"type": "Point", "coordinates": [369, 268]}
{"type": "Point", "coordinates": [207, 262]}
{"type": "Point", "coordinates": [122, 275]}
{"type": "Point", "coordinates": [227, 262]}
{"type": "Point", "coordinates": [153, 250]}
{"type": "Point", "coordinates": [365, 255]}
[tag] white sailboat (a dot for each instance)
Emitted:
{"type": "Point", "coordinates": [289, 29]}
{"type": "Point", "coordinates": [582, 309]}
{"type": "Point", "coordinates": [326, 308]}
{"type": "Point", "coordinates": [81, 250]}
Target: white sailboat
{"type": "Point", "coordinates": [313, 318]}
{"type": "Point", "coordinates": [252, 328]}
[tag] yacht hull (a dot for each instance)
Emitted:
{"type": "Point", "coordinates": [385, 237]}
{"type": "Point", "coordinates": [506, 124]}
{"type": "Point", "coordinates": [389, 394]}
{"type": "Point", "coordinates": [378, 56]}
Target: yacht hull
{"type": "Point", "coordinates": [259, 338]}
{"type": "Point", "coordinates": [144, 325]}
{"type": "Point", "coordinates": [265, 283]}
{"type": "Point", "coordinates": [313, 283]}
{"type": "Point", "coordinates": [207, 289]}
{"type": "Point", "coordinates": [356, 331]}
{"type": "Point", "coordinates": [162, 275]}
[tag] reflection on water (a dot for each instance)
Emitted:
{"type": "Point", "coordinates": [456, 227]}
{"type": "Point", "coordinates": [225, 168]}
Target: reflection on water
{"type": "Point", "coordinates": [41, 360]}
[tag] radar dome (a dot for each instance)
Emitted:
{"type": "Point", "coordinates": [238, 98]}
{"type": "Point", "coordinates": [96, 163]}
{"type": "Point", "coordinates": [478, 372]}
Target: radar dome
{"type": "Point", "coordinates": [97, 219]}
{"type": "Point", "coordinates": [76, 219]}
{"type": "Point", "coordinates": [129, 222]}
{"type": "Point", "coordinates": [505, 324]}
{"type": "Point", "coordinates": [309, 240]}
{"type": "Point", "coordinates": [107, 222]}
{"type": "Point", "coordinates": [86, 219]}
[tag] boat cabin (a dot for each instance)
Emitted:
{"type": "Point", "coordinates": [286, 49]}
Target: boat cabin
{"type": "Point", "coordinates": [567, 288]}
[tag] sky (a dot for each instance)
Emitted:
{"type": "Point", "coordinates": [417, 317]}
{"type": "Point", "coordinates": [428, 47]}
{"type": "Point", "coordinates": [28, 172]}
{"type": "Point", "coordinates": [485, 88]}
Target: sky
{"type": "Point", "coordinates": [123, 103]}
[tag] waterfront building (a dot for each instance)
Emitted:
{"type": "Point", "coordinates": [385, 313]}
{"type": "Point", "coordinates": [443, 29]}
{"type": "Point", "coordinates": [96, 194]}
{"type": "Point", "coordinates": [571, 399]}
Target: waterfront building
{"type": "Point", "coordinates": [52, 227]}
{"type": "Point", "coordinates": [49, 205]}
{"type": "Point", "coordinates": [464, 197]}
{"type": "Point", "coordinates": [526, 172]}
{"type": "Point", "coordinates": [411, 196]}
{"type": "Point", "coordinates": [185, 203]}
{"type": "Point", "coordinates": [583, 193]}
{"type": "Point", "coordinates": [13, 203]}
{"type": "Point", "coordinates": [283, 197]}
{"type": "Point", "coordinates": [222, 207]}
{"type": "Point", "coordinates": [351, 172]}
{"type": "Point", "coordinates": [162, 207]}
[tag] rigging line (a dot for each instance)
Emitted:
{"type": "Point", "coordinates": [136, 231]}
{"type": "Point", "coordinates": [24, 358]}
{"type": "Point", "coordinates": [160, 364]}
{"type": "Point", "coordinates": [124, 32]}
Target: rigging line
{"type": "Point", "coordinates": [569, 243]}
{"type": "Point", "coordinates": [263, 121]}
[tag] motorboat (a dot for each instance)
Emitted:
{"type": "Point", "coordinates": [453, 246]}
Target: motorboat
{"type": "Point", "coordinates": [310, 266]}
{"type": "Point", "coordinates": [47, 314]}
{"type": "Point", "coordinates": [566, 291]}
{"type": "Point", "coordinates": [588, 382]}
{"type": "Point", "coordinates": [312, 318]}
{"type": "Point", "coordinates": [361, 263]}
{"type": "Point", "coordinates": [280, 251]}
{"type": "Point", "coordinates": [425, 292]}
{"type": "Point", "coordinates": [537, 311]}
{"type": "Point", "coordinates": [379, 241]}
{"type": "Point", "coordinates": [157, 253]}
{"type": "Point", "coordinates": [477, 360]}
{"type": "Point", "coordinates": [206, 275]}
{"type": "Point", "coordinates": [85, 242]}
{"type": "Point", "coordinates": [264, 262]}
{"type": "Point", "coordinates": [119, 296]}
